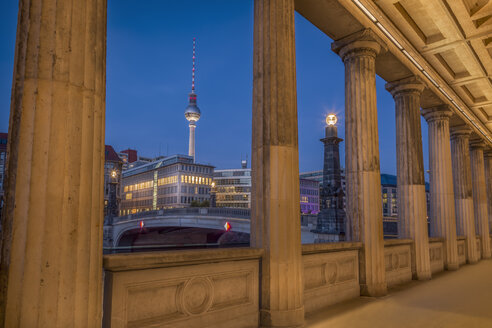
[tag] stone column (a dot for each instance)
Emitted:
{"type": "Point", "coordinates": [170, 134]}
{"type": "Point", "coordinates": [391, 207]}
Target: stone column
{"type": "Point", "coordinates": [465, 220]}
{"type": "Point", "coordinates": [442, 216]}
{"type": "Point", "coordinates": [275, 207]}
{"type": "Point", "coordinates": [51, 261]}
{"type": "Point", "coordinates": [412, 203]}
{"type": "Point", "coordinates": [488, 178]}
{"type": "Point", "coordinates": [480, 195]}
{"type": "Point", "coordinates": [363, 179]}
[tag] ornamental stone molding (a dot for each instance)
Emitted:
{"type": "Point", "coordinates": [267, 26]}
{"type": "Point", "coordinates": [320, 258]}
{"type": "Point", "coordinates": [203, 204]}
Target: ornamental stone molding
{"type": "Point", "coordinates": [362, 43]}
{"type": "Point", "coordinates": [437, 113]}
{"type": "Point", "coordinates": [413, 84]}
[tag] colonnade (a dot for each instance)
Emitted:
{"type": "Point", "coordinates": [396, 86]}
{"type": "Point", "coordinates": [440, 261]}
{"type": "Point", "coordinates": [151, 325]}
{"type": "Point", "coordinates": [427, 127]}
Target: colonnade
{"type": "Point", "coordinates": [457, 167]}
{"type": "Point", "coordinates": [52, 232]}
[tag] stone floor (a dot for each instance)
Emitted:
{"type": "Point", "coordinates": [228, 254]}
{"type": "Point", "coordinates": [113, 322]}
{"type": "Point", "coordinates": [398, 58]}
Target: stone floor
{"type": "Point", "coordinates": [461, 298]}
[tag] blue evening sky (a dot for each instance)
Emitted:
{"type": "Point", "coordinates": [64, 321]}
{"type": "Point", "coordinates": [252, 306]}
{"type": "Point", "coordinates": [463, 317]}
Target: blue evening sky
{"type": "Point", "coordinates": [149, 78]}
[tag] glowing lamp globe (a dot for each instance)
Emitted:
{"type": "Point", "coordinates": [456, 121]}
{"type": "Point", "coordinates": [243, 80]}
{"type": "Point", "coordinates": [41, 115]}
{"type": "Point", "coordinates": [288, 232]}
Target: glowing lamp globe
{"type": "Point", "coordinates": [331, 119]}
{"type": "Point", "coordinates": [113, 174]}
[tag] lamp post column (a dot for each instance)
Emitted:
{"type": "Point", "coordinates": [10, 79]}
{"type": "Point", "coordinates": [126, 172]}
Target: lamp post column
{"type": "Point", "coordinates": [480, 195]}
{"type": "Point", "coordinates": [275, 205]}
{"type": "Point", "coordinates": [442, 216]}
{"type": "Point", "coordinates": [363, 179]}
{"type": "Point", "coordinates": [412, 204]}
{"type": "Point", "coordinates": [462, 180]}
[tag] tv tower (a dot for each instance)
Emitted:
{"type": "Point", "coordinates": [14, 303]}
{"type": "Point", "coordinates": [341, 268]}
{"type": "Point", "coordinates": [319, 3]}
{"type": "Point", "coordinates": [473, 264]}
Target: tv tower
{"type": "Point", "coordinates": [192, 112]}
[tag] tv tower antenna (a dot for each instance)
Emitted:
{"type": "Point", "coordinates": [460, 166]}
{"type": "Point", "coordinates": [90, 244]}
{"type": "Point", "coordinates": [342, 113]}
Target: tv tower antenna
{"type": "Point", "coordinates": [192, 112]}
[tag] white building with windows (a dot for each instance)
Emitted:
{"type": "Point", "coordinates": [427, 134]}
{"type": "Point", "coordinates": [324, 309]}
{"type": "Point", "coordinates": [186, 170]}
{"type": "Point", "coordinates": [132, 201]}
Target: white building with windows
{"type": "Point", "coordinates": [170, 182]}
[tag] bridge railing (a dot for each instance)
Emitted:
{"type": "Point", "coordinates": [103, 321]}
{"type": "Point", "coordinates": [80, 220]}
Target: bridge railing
{"type": "Point", "coordinates": [201, 211]}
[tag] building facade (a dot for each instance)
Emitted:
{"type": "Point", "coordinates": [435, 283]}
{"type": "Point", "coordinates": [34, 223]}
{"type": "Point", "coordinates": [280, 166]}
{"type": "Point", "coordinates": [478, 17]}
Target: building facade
{"type": "Point", "coordinates": [174, 181]}
{"type": "Point", "coordinates": [232, 188]}
{"type": "Point", "coordinates": [309, 196]}
{"type": "Point", "coordinates": [113, 167]}
{"type": "Point", "coordinates": [389, 195]}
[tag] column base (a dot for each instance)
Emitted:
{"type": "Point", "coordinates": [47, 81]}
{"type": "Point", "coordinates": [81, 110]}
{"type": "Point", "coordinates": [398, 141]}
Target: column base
{"type": "Point", "coordinates": [286, 319]}
{"type": "Point", "coordinates": [422, 276]}
{"type": "Point", "coordinates": [374, 290]}
{"type": "Point", "coordinates": [452, 266]}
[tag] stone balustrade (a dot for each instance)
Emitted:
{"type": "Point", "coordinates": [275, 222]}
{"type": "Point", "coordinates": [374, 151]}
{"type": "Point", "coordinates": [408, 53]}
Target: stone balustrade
{"type": "Point", "coordinates": [462, 251]}
{"type": "Point", "coordinates": [436, 253]}
{"type": "Point", "coordinates": [398, 261]}
{"type": "Point", "coordinates": [331, 273]}
{"type": "Point", "coordinates": [198, 288]}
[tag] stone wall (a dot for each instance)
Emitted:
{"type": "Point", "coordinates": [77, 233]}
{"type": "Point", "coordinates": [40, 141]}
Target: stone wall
{"type": "Point", "coordinates": [436, 253]}
{"type": "Point", "coordinates": [197, 288]}
{"type": "Point", "coordinates": [462, 254]}
{"type": "Point", "coordinates": [398, 261]}
{"type": "Point", "coordinates": [331, 274]}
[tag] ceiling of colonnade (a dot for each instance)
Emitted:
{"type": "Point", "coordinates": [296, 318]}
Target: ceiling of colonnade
{"type": "Point", "coordinates": [451, 41]}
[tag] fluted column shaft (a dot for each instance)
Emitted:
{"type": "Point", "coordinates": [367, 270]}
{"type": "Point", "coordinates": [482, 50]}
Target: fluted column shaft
{"type": "Point", "coordinates": [363, 179]}
{"type": "Point", "coordinates": [412, 204]}
{"type": "Point", "coordinates": [52, 220]}
{"type": "Point", "coordinates": [442, 216]}
{"type": "Point", "coordinates": [488, 179]}
{"type": "Point", "coordinates": [463, 200]}
{"type": "Point", "coordinates": [275, 207]}
{"type": "Point", "coordinates": [480, 195]}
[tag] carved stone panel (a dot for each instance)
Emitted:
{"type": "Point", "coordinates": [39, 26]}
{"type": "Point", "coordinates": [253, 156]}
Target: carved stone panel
{"type": "Point", "coordinates": [397, 264]}
{"type": "Point", "coordinates": [436, 256]}
{"type": "Point", "coordinates": [330, 278]}
{"type": "Point", "coordinates": [222, 294]}
{"type": "Point", "coordinates": [462, 251]}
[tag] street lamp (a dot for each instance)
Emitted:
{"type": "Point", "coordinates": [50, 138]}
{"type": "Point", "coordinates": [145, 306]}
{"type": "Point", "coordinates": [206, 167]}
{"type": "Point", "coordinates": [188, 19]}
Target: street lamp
{"type": "Point", "coordinates": [331, 119]}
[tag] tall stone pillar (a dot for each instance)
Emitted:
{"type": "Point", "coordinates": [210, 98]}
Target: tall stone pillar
{"type": "Point", "coordinates": [275, 208]}
{"type": "Point", "coordinates": [463, 200]}
{"type": "Point", "coordinates": [488, 178]}
{"type": "Point", "coordinates": [442, 216]}
{"type": "Point", "coordinates": [480, 195]}
{"type": "Point", "coordinates": [412, 203]}
{"type": "Point", "coordinates": [51, 261]}
{"type": "Point", "coordinates": [363, 179]}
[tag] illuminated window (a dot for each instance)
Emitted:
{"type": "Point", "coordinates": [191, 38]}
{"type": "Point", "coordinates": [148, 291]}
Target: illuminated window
{"type": "Point", "coordinates": [129, 196]}
{"type": "Point", "coordinates": [182, 178]}
{"type": "Point", "coordinates": [125, 189]}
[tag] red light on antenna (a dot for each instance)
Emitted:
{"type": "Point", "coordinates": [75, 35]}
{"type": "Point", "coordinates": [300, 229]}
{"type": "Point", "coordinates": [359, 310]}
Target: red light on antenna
{"type": "Point", "coordinates": [227, 226]}
{"type": "Point", "coordinates": [141, 224]}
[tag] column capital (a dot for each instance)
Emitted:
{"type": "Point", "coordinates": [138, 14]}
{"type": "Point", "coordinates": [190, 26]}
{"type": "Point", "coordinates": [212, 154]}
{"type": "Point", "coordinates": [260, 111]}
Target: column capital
{"type": "Point", "coordinates": [412, 84]}
{"type": "Point", "coordinates": [437, 113]}
{"type": "Point", "coordinates": [488, 152]}
{"type": "Point", "coordinates": [460, 131]}
{"type": "Point", "coordinates": [477, 144]}
{"type": "Point", "coordinates": [364, 42]}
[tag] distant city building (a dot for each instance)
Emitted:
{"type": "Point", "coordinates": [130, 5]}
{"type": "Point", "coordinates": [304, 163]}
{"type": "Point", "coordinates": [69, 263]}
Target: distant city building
{"type": "Point", "coordinates": [113, 167]}
{"type": "Point", "coordinates": [131, 154]}
{"type": "Point", "coordinates": [309, 196]}
{"type": "Point", "coordinates": [389, 194]}
{"type": "Point", "coordinates": [174, 181]}
{"type": "Point", "coordinates": [232, 188]}
{"type": "Point", "coordinates": [124, 158]}
{"type": "Point", "coordinates": [3, 163]}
